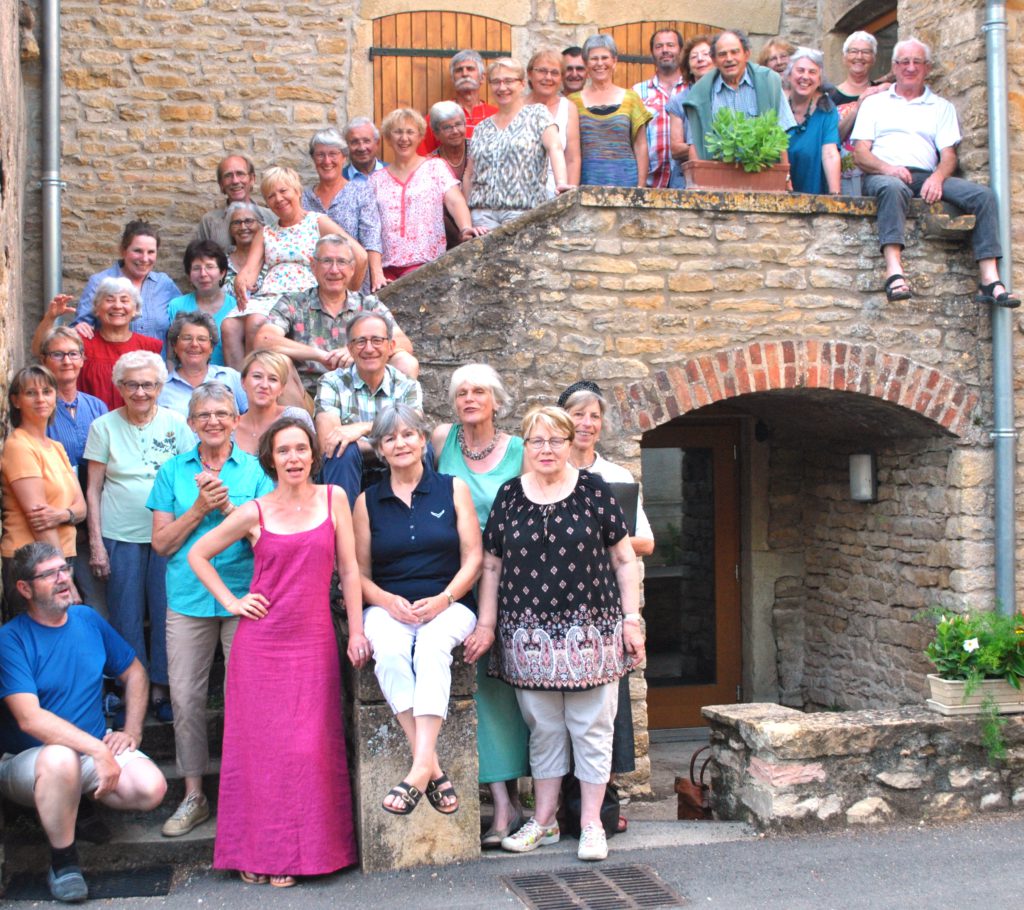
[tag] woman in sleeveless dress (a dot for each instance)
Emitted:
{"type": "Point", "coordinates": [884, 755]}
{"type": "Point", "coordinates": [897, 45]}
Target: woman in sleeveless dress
{"type": "Point", "coordinates": [477, 452]}
{"type": "Point", "coordinates": [544, 75]}
{"type": "Point", "coordinates": [285, 802]}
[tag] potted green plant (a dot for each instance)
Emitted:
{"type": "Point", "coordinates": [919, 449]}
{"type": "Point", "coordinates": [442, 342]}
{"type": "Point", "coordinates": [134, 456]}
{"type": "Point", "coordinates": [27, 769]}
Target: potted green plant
{"type": "Point", "coordinates": [745, 153]}
{"type": "Point", "coordinates": [979, 663]}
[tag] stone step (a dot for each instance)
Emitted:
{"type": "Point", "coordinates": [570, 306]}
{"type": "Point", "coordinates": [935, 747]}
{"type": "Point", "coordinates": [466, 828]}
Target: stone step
{"type": "Point", "coordinates": [158, 738]}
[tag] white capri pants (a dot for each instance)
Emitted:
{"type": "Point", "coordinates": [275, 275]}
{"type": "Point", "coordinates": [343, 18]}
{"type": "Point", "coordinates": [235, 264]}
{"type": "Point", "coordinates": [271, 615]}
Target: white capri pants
{"type": "Point", "coordinates": [584, 717]}
{"type": "Point", "coordinates": [413, 662]}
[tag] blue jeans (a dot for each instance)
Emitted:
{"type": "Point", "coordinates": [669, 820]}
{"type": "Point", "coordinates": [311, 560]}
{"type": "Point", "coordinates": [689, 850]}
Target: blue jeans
{"type": "Point", "coordinates": [137, 586]}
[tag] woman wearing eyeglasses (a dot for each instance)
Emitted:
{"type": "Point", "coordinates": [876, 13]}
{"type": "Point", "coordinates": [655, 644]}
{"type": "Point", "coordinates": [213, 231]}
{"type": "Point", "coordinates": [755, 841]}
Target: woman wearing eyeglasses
{"type": "Point", "coordinates": [560, 585]}
{"type": "Point", "coordinates": [124, 451]}
{"type": "Point", "coordinates": [40, 493]}
{"type": "Point", "coordinates": [509, 155]}
{"type": "Point", "coordinates": [814, 142]}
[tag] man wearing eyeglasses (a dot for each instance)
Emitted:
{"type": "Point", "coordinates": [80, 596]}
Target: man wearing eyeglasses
{"type": "Point", "coordinates": [905, 142]}
{"type": "Point", "coordinates": [309, 326]}
{"type": "Point", "coordinates": [53, 737]}
{"type": "Point", "coordinates": [236, 177]}
{"type": "Point", "coordinates": [349, 397]}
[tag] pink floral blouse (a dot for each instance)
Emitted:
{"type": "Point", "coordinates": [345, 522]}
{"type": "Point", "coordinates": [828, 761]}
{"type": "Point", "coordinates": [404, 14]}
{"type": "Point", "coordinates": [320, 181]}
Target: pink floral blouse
{"type": "Point", "coordinates": [412, 213]}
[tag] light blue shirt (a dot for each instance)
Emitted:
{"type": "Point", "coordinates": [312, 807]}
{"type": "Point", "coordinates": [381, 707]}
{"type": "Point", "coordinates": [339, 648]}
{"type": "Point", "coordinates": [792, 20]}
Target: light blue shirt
{"type": "Point", "coordinates": [177, 393]}
{"type": "Point", "coordinates": [743, 98]}
{"type": "Point", "coordinates": [157, 291]}
{"type": "Point", "coordinates": [351, 172]}
{"type": "Point", "coordinates": [174, 491]}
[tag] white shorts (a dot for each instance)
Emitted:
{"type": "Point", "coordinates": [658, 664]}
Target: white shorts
{"type": "Point", "coordinates": [18, 773]}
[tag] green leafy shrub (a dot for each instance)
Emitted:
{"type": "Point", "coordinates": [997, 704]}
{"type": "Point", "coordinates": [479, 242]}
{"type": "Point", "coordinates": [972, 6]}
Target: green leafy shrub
{"type": "Point", "coordinates": [755, 143]}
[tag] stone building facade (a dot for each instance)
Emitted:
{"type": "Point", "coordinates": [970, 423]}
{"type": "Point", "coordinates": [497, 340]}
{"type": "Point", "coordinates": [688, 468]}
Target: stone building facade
{"type": "Point", "coordinates": [767, 318]}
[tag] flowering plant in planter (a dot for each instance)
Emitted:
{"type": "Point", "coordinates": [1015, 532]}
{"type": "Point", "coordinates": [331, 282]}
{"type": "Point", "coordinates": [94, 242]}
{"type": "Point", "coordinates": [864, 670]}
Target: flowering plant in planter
{"type": "Point", "coordinates": [977, 646]}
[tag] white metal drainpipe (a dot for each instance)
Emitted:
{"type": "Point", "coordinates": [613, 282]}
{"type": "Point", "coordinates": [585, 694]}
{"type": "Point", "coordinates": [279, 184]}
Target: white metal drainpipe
{"type": "Point", "coordinates": [1004, 435]}
{"type": "Point", "coordinates": [50, 182]}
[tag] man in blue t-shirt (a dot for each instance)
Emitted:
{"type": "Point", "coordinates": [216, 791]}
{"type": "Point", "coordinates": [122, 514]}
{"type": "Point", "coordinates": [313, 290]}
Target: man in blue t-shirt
{"type": "Point", "coordinates": [53, 739]}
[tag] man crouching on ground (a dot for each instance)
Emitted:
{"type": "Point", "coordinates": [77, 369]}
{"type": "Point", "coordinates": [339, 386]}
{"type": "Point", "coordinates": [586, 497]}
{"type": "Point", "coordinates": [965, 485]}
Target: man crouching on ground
{"type": "Point", "coordinates": [53, 738]}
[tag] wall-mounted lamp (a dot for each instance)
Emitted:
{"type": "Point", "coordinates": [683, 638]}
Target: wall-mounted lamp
{"type": "Point", "coordinates": [863, 477]}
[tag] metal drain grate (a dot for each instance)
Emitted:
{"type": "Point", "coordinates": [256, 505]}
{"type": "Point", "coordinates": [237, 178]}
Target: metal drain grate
{"type": "Point", "coordinates": [630, 887]}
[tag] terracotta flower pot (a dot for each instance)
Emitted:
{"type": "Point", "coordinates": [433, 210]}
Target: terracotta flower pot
{"type": "Point", "coordinates": [717, 175]}
{"type": "Point", "coordinates": [948, 696]}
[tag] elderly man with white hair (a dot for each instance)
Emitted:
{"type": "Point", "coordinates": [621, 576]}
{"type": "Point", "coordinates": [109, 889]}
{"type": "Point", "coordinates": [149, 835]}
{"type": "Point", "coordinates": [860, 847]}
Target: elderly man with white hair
{"type": "Point", "coordinates": [363, 140]}
{"type": "Point", "coordinates": [905, 142]}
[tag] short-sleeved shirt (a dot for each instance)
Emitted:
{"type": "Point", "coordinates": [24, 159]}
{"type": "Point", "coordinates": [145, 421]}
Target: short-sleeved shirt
{"type": "Point", "coordinates": [606, 140]}
{"type": "Point", "coordinates": [354, 208]}
{"type": "Point", "coordinates": [345, 394]}
{"type": "Point", "coordinates": [26, 457]}
{"type": "Point", "coordinates": [510, 165]}
{"type": "Point", "coordinates": [806, 142]}
{"type": "Point", "coordinates": [415, 550]}
{"type": "Point", "coordinates": [656, 100]}
{"type": "Point", "coordinates": [63, 666]}
{"type": "Point", "coordinates": [559, 609]}
{"type": "Point", "coordinates": [615, 473]}
{"type": "Point", "coordinates": [132, 456]}
{"type": "Point", "coordinates": [177, 393]}
{"type": "Point", "coordinates": [97, 376]}
{"type": "Point", "coordinates": [412, 213]}
{"type": "Point", "coordinates": [187, 303]}
{"type": "Point", "coordinates": [302, 318]}
{"type": "Point", "coordinates": [157, 291]}
{"type": "Point", "coordinates": [71, 423]}
{"type": "Point", "coordinates": [907, 132]}
{"type": "Point", "coordinates": [175, 491]}
{"type": "Point", "coordinates": [351, 172]}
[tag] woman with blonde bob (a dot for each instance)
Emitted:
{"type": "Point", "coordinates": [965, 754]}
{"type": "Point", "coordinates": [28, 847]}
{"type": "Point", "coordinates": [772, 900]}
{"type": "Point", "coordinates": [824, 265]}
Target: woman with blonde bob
{"type": "Point", "coordinates": [412, 194]}
{"type": "Point", "coordinates": [286, 249]}
{"type": "Point", "coordinates": [264, 377]}
{"type": "Point", "coordinates": [560, 588]}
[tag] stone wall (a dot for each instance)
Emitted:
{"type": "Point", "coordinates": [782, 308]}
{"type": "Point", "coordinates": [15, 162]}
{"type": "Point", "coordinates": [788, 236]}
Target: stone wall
{"type": "Point", "coordinates": [780, 769]}
{"type": "Point", "coordinates": [17, 46]}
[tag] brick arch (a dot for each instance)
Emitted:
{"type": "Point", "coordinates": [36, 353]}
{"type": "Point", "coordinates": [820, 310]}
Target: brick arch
{"type": "Point", "coordinates": [863, 369]}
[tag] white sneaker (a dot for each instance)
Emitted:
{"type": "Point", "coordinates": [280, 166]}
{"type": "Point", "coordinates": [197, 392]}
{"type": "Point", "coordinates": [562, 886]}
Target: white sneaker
{"type": "Point", "coordinates": [193, 811]}
{"type": "Point", "coordinates": [531, 836]}
{"type": "Point", "coordinates": [593, 843]}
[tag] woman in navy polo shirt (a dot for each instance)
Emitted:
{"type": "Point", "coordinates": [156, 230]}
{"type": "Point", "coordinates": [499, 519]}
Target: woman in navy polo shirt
{"type": "Point", "coordinates": [419, 549]}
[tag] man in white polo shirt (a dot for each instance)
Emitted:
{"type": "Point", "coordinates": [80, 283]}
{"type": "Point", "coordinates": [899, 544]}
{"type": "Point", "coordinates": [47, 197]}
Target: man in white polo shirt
{"type": "Point", "coordinates": [905, 142]}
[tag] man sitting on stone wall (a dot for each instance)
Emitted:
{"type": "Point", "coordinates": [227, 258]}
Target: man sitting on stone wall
{"type": "Point", "coordinates": [236, 176]}
{"type": "Point", "coordinates": [735, 83]}
{"type": "Point", "coordinates": [349, 397]}
{"type": "Point", "coordinates": [363, 140]}
{"type": "Point", "coordinates": [905, 142]}
{"type": "Point", "coordinates": [467, 72]}
{"type": "Point", "coordinates": [53, 736]}
{"type": "Point", "coordinates": [309, 326]}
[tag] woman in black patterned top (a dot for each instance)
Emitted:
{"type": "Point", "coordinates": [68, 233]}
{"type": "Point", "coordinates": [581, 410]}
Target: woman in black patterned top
{"type": "Point", "coordinates": [560, 581]}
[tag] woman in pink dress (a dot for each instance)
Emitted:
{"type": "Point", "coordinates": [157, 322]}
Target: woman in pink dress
{"type": "Point", "coordinates": [285, 802]}
{"type": "Point", "coordinates": [285, 250]}
{"type": "Point", "coordinates": [412, 194]}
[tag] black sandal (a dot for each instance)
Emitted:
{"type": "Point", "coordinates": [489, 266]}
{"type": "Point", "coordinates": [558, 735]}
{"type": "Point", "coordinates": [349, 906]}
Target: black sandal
{"type": "Point", "coordinates": [893, 294]}
{"type": "Point", "coordinates": [986, 294]}
{"type": "Point", "coordinates": [435, 794]}
{"type": "Point", "coordinates": [408, 794]}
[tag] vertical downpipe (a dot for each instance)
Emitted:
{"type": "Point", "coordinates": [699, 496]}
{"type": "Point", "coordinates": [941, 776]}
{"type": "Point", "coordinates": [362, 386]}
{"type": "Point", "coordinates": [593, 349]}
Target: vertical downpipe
{"type": "Point", "coordinates": [50, 182]}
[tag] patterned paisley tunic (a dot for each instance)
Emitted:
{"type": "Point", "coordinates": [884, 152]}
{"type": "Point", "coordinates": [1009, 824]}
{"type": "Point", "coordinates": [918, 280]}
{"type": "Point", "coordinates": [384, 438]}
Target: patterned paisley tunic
{"type": "Point", "coordinates": [559, 613]}
{"type": "Point", "coordinates": [510, 165]}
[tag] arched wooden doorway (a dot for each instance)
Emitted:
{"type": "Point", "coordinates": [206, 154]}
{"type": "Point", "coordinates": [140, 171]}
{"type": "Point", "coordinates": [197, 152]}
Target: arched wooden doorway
{"type": "Point", "coordinates": [633, 39]}
{"type": "Point", "coordinates": [410, 55]}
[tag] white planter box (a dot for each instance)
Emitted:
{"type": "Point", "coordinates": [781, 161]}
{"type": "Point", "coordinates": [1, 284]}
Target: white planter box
{"type": "Point", "coordinates": [948, 696]}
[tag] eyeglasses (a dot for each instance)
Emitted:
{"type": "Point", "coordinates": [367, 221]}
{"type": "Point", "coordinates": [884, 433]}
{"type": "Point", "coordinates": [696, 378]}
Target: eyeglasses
{"type": "Point", "coordinates": [503, 83]}
{"type": "Point", "coordinates": [908, 61]}
{"type": "Point", "coordinates": [555, 443]}
{"type": "Point", "coordinates": [452, 126]}
{"type": "Point", "coordinates": [243, 222]}
{"type": "Point", "coordinates": [858, 52]}
{"type": "Point", "coordinates": [61, 356]}
{"type": "Point", "coordinates": [195, 339]}
{"type": "Point", "coordinates": [148, 387]}
{"type": "Point", "coordinates": [326, 156]}
{"type": "Point", "coordinates": [329, 263]}
{"type": "Point", "coordinates": [362, 341]}
{"type": "Point", "coordinates": [546, 72]}
{"type": "Point", "coordinates": [52, 573]}
{"type": "Point", "coordinates": [207, 416]}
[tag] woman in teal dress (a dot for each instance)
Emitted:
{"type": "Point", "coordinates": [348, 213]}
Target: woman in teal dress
{"type": "Point", "coordinates": [476, 451]}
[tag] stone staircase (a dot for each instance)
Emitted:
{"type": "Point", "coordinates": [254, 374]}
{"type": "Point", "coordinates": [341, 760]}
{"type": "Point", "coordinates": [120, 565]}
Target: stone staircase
{"type": "Point", "coordinates": [136, 837]}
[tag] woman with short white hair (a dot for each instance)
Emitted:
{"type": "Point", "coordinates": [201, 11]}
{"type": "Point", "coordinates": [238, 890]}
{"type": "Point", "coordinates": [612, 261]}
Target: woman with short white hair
{"type": "Point", "coordinates": [124, 450]}
{"type": "Point", "coordinates": [814, 141]}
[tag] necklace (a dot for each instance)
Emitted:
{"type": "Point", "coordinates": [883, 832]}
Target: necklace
{"type": "Point", "coordinates": [454, 165]}
{"type": "Point", "coordinates": [209, 467]}
{"type": "Point", "coordinates": [476, 454]}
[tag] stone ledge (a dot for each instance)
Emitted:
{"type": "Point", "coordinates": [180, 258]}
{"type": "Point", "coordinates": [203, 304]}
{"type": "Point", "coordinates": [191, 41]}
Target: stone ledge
{"type": "Point", "coordinates": [781, 769]}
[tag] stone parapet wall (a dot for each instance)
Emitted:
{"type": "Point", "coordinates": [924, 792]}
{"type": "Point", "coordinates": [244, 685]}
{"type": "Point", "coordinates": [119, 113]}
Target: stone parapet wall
{"type": "Point", "coordinates": [779, 769]}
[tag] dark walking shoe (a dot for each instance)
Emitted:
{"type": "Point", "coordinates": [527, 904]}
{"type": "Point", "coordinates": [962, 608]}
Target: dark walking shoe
{"type": "Point", "coordinates": [69, 886]}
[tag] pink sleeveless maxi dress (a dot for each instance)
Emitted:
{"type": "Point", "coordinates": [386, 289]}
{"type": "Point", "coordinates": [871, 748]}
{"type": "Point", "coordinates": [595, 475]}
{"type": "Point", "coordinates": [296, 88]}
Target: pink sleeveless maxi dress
{"type": "Point", "coordinates": [285, 805]}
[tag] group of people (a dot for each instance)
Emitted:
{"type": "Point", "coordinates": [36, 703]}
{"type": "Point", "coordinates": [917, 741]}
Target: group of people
{"type": "Point", "coordinates": [172, 453]}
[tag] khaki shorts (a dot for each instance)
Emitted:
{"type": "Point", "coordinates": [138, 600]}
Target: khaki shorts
{"type": "Point", "coordinates": [18, 773]}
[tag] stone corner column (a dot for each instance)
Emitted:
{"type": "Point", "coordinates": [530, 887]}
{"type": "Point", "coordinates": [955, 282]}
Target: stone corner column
{"type": "Point", "coordinates": [380, 759]}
